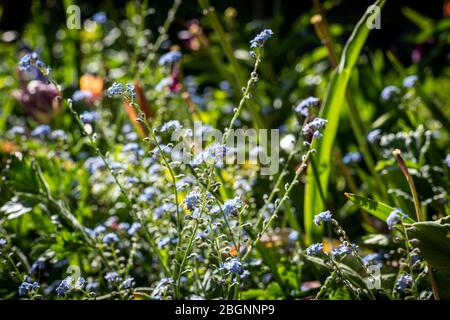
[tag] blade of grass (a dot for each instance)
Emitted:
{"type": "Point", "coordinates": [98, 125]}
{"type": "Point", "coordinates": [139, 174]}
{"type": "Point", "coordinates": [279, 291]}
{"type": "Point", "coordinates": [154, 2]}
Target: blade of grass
{"type": "Point", "coordinates": [330, 110]}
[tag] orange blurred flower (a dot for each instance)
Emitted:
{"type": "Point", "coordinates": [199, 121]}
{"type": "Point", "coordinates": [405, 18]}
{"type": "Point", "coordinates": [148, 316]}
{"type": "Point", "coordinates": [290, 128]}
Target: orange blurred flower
{"type": "Point", "coordinates": [93, 85]}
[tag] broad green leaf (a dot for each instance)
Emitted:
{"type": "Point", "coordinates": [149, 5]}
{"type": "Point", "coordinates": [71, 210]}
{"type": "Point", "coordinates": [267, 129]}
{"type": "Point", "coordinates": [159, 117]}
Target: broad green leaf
{"type": "Point", "coordinates": [330, 110]}
{"type": "Point", "coordinates": [433, 241]}
{"type": "Point", "coordinates": [375, 208]}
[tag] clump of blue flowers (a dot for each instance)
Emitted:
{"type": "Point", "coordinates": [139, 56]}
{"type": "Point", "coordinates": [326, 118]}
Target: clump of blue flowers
{"type": "Point", "coordinates": [261, 38]}
{"type": "Point", "coordinates": [233, 265]}
{"type": "Point", "coordinates": [171, 125]}
{"type": "Point", "coordinates": [306, 104]}
{"type": "Point", "coordinates": [26, 287]}
{"type": "Point", "coordinates": [404, 282]}
{"type": "Point", "coordinates": [314, 249]}
{"type": "Point", "coordinates": [389, 93]}
{"type": "Point", "coordinates": [170, 58]}
{"type": "Point", "coordinates": [395, 218]}
{"type": "Point", "coordinates": [231, 206]}
{"type": "Point", "coordinates": [322, 217]}
{"type": "Point", "coordinates": [110, 238]}
{"type": "Point", "coordinates": [115, 90]}
{"type": "Point", "coordinates": [69, 284]}
{"type": "Point", "coordinates": [314, 127]}
{"type": "Point", "coordinates": [352, 157]}
{"type": "Point", "coordinates": [29, 60]}
{"type": "Point", "coordinates": [410, 81]}
{"type": "Point", "coordinates": [113, 277]}
{"type": "Point", "coordinates": [192, 200]}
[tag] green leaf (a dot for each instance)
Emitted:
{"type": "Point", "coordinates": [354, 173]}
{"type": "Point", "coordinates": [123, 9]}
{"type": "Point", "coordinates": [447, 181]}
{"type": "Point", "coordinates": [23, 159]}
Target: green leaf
{"type": "Point", "coordinates": [375, 208]}
{"type": "Point", "coordinates": [330, 110]}
{"type": "Point", "coordinates": [433, 241]}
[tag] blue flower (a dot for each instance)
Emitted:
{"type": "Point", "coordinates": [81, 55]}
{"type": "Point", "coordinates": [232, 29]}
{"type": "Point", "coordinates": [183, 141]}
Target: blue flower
{"type": "Point", "coordinates": [395, 217]}
{"type": "Point", "coordinates": [100, 17]}
{"type": "Point", "coordinates": [2, 242]}
{"type": "Point", "coordinates": [110, 238]}
{"type": "Point", "coordinates": [171, 126]}
{"type": "Point", "coordinates": [113, 276]}
{"type": "Point", "coordinates": [129, 88]}
{"type": "Point", "coordinates": [306, 104]}
{"type": "Point", "coordinates": [314, 249]}
{"type": "Point", "coordinates": [314, 126]}
{"type": "Point", "coordinates": [169, 58]}
{"type": "Point", "coordinates": [261, 38]}
{"type": "Point", "coordinates": [352, 157]}
{"type": "Point", "coordinates": [217, 152]}
{"type": "Point", "coordinates": [148, 194]}
{"type": "Point", "coordinates": [404, 282]}
{"type": "Point", "coordinates": [115, 89]}
{"type": "Point", "coordinates": [58, 135]}
{"type": "Point", "coordinates": [322, 217]}
{"type": "Point", "coordinates": [293, 236]}
{"type": "Point", "coordinates": [26, 287]}
{"type": "Point", "coordinates": [93, 164]}
{"type": "Point", "coordinates": [233, 265]}
{"type": "Point", "coordinates": [28, 60]}
{"type": "Point", "coordinates": [192, 200]}
{"type": "Point", "coordinates": [128, 283]}
{"type": "Point", "coordinates": [25, 62]}
{"type": "Point", "coordinates": [343, 250]}
{"type": "Point", "coordinates": [135, 226]}
{"type": "Point", "coordinates": [68, 284]}
{"type": "Point", "coordinates": [64, 287]}
{"type": "Point", "coordinates": [17, 130]}
{"type": "Point", "coordinates": [131, 147]}
{"type": "Point", "coordinates": [370, 258]}
{"type": "Point", "coordinates": [231, 206]}
{"type": "Point", "coordinates": [89, 117]}
{"type": "Point", "coordinates": [389, 92]}
{"type": "Point", "coordinates": [41, 130]}
{"type": "Point", "coordinates": [81, 95]}
{"type": "Point", "coordinates": [373, 135]}
{"type": "Point", "coordinates": [410, 81]}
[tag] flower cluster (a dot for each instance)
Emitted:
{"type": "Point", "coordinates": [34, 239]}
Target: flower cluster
{"type": "Point", "coordinates": [26, 287]}
{"type": "Point", "coordinates": [314, 127]}
{"type": "Point", "coordinates": [115, 90]}
{"type": "Point", "coordinates": [352, 157]}
{"type": "Point", "coordinates": [314, 249]}
{"type": "Point", "coordinates": [261, 38]}
{"type": "Point", "coordinates": [170, 58]}
{"type": "Point", "coordinates": [343, 250]}
{"type": "Point", "coordinates": [110, 238]}
{"type": "Point", "coordinates": [192, 200]}
{"type": "Point", "coordinates": [68, 284]}
{"type": "Point", "coordinates": [394, 218]}
{"type": "Point", "coordinates": [231, 206]}
{"type": "Point", "coordinates": [113, 277]}
{"type": "Point", "coordinates": [171, 125]}
{"type": "Point", "coordinates": [29, 60]}
{"type": "Point", "coordinates": [322, 217]}
{"type": "Point", "coordinates": [389, 93]}
{"type": "Point", "coordinates": [410, 81]}
{"type": "Point", "coordinates": [306, 104]}
{"type": "Point", "coordinates": [233, 265]}
{"type": "Point", "coordinates": [404, 282]}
